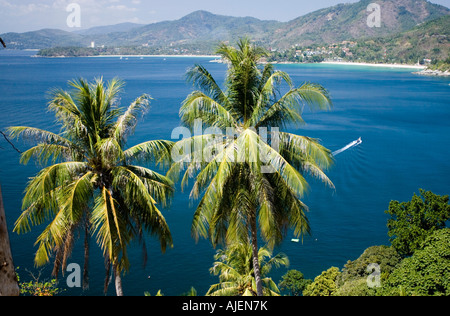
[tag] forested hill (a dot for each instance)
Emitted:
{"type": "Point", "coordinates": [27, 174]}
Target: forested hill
{"type": "Point", "coordinates": [201, 31]}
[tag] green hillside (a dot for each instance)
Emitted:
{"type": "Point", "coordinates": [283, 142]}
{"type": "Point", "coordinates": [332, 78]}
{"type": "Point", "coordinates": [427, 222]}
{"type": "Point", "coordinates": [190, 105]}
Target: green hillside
{"type": "Point", "coordinates": [426, 43]}
{"type": "Point", "coordinates": [410, 30]}
{"type": "Point", "coordinates": [349, 22]}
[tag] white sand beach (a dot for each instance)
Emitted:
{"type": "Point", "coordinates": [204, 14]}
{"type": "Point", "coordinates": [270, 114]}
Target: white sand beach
{"type": "Point", "coordinates": [375, 65]}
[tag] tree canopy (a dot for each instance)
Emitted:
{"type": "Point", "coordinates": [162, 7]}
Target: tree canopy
{"type": "Point", "coordinates": [413, 221]}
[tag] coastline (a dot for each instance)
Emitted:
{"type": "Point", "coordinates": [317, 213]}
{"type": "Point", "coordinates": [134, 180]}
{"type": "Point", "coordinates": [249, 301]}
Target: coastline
{"type": "Point", "coordinates": [420, 70]}
{"type": "Point", "coordinates": [430, 72]}
{"type": "Point", "coordinates": [132, 56]}
{"type": "Point", "coordinates": [161, 56]}
{"type": "Point", "coordinates": [374, 65]}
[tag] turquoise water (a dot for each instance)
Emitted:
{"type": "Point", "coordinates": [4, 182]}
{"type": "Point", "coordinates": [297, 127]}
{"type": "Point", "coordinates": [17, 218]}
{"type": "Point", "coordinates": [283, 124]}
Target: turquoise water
{"type": "Point", "coordinates": [403, 120]}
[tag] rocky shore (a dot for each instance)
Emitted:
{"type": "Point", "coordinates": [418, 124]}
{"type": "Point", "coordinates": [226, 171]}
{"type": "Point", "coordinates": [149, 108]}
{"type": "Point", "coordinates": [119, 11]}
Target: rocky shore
{"type": "Point", "coordinates": [430, 72]}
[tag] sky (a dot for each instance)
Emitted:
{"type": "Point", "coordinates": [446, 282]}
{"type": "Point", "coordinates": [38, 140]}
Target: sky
{"type": "Point", "coordinates": [31, 15]}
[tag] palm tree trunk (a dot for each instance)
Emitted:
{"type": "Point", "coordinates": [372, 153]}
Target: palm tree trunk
{"type": "Point", "coordinates": [256, 268]}
{"type": "Point", "coordinates": [107, 275]}
{"type": "Point", "coordinates": [118, 281]}
{"type": "Point", "coordinates": [8, 279]}
{"type": "Point", "coordinates": [86, 256]}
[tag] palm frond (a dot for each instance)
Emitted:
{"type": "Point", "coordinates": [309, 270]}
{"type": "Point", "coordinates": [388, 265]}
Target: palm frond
{"type": "Point", "coordinates": [51, 178]}
{"type": "Point", "coordinates": [202, 79]}
{"type": "Point", "coordinates": [214, 114]}
{"type": "Point", "coordinates": [41, 209]}
{"type": "Point", "coordinates": [289, 108]}
{"type": "Point", "coordinates": [158, 151]}
{"type": "Point", "coordinates": [126, 123]}
{"type": "Point", "coordinates": [288, 173]}
{"type": "Point", "coordinates": [267, 93]}
{"type": "Point", "coordinates": [305, 147]}
{"type": "Point", "coordinates": [103, 223]}
{"type": "Point", "coordinates": [52, 237]}
{"type": "Point", "coordinates": [113, 90]}
{"type": "Point", "coordinates": [45, 153]}
{"type": "Point", "coordinates": [139, 188]}
{"type": "Point", "coordinates": [33, 134]}
{"type": "Point", "coordinates": [76, 197]}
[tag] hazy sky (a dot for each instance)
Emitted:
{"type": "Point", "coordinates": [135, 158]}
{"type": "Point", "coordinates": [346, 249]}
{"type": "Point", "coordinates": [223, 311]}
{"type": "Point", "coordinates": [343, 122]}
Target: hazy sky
{"type": "Point", "coordinates": [30, 15]}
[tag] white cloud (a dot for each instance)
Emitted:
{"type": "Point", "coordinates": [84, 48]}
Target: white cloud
{"type": "Point", "coordinates": [122, 7]}
{"type": "Point", "coordinates": [23, 9]}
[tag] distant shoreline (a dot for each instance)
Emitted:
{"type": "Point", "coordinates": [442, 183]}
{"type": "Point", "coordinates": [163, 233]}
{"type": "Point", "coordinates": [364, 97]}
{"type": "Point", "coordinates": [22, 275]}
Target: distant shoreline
{"type": "Point", "coordinates": [215, 57]}
{"type": "Point", "coordinates": [374, 65]}
{"type": "Point", "coordinates": [162, 56]}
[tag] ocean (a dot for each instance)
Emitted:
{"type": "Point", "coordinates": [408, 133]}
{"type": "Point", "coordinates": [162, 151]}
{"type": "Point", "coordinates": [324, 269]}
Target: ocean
{"type": "Point", "coordinates": [401, 118]}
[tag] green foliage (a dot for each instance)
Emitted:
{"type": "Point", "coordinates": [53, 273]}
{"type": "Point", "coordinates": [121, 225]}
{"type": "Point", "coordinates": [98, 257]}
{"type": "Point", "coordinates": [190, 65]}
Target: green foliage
{"type": "Point", "coordinates": [386, 257]}
{"type": "Point", "coordinates": [355, 287]}
{"type": "Point", "coordinates": [324, 284]}
{"type": "Point", "coordinates": [234, 266]}
{"type": "Point", "coordinates": [418, 228]}
{"type": "Point", "coordinates": [37, 287]}
{"type": "Point", "coordinates": [92, 182]}
{"type": "Point", "coordinates": [353, 279]}
{"type": "Point", "coordinates": [412, 222]}
{"type": "Point", "coordinates": [237, 195]}
{"type": "Point", "coordinates": [157, 293]}
{"type": "Point", "coordinates": [429, 40]}
{"type": "Point", "coordinates": [426, 272]}
{"type": "Point", "coordinates": [235, 190]}
{"type": "Point", "coordinates": [442, 65]}
{"type": "Point", "coordinates": [294, 282]}
{"type": "Point", "coordinates": [192, 292]}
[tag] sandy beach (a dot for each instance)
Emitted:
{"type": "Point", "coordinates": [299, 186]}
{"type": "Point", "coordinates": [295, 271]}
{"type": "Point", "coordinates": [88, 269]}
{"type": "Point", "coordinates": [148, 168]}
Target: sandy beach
{"type": "Point", "coordinates": [375, 65]}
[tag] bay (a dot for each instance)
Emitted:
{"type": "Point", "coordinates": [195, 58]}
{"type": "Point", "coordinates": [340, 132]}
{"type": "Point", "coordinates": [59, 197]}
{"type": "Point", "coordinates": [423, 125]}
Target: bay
{"type": "Point", "coordinates": [402, 120]}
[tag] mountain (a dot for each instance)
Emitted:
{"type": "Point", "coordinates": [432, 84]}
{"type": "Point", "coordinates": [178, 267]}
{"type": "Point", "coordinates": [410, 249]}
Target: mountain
{"type": "Point", "coordinates": [121, 27]}
{"type": "Point", "coordinates": [349, 21]}
{"type": "Point", "coordinates": [196, 27]}
{"type": "Point", "coordinates": [43, 39]}
{"type": "Point", "coordinates": [204, 30]}
{"type": "Point", "coordinates": [429, 40]}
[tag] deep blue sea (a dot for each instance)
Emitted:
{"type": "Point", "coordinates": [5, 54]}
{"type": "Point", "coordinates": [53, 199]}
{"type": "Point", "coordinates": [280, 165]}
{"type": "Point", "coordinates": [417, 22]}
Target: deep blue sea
{"type": "Point", "coordinates": [403, 119]}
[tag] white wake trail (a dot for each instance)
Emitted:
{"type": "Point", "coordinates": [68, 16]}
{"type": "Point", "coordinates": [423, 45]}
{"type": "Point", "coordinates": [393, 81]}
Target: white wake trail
{"type": "Point", "coordinates": [352, 144]}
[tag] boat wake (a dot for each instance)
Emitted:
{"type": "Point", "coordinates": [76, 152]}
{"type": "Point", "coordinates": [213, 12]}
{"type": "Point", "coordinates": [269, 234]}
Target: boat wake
{"type": "Point", "coordinates": [352, 144]}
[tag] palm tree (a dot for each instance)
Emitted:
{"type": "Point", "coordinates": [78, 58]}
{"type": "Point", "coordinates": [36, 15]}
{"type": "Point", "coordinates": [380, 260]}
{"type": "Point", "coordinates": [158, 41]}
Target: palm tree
{"type": "Point", "coordinates": [245, 180]}
{"type": "Point", "coordinates": [93, 184]}
{"type": "Point", "coordinates": [234, 266]}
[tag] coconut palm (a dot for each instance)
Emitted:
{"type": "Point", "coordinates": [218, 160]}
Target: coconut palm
{"type": "Point", "coordinates": [234, 266]}
{"type": "Point", "coordinates": [89, 182]}
{"type": "Point", "coordinates": [243, 179]}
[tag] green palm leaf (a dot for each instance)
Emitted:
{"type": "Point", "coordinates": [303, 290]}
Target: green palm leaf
{"type": "Point", "coordinates": [90, 186]}
{"type": "Point", "coordinates": [250, 186]}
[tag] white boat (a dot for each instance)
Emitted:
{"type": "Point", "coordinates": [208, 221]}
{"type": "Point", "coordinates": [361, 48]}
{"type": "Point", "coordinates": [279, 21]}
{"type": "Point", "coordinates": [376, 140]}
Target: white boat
{"type": "Point", "coordinates": [352, 144]}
